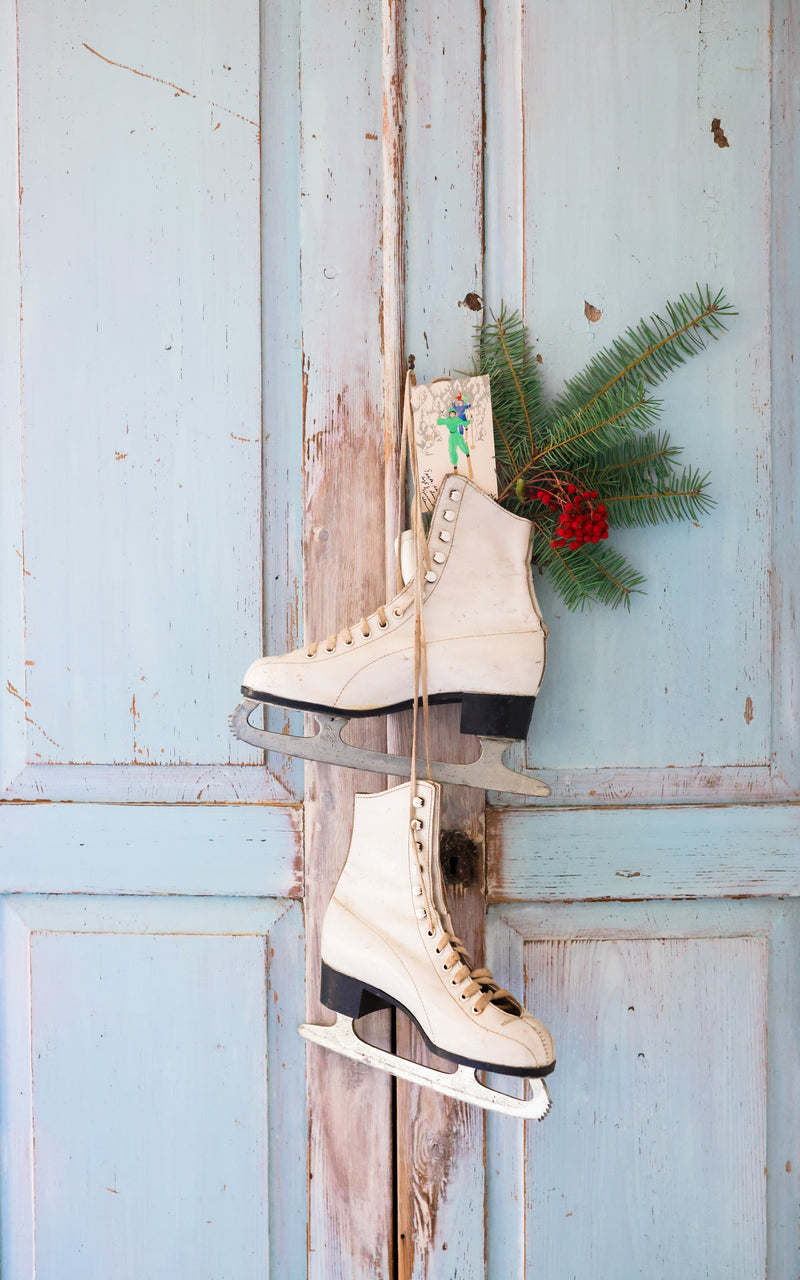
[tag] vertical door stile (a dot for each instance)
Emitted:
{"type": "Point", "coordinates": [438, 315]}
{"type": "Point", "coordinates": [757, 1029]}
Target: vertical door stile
{"type": "Point", "coordinates": [350, 1108]}
{"type": "Point", "coordinates": [440, 1142]}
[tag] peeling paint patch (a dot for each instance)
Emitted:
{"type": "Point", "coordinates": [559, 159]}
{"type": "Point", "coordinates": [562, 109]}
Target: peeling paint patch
{"type": "Point", "coordinates": [748, 710]}
{"type": "Point", "coordinates": [592, 314]}
{"type": "Point", "coordinates": [719, 136]}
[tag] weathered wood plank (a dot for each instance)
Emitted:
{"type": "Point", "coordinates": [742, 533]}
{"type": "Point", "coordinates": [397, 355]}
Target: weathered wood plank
{"type": "Point", "coordinates": [12, 548]}
{"type": "Point", "coordinates": [659, 1013]}
{"type": "Point", "coordinates": [440, 1143]}
{"type": "Point", "coordinates": [148, 784]}
{"type": "Point", "coordinates": [643, 853]}
{"type": "Point", "coordinates": [132, 1038]}
{"type": "Point", "coordinates": [350, 1109]}
{"type": "Point", "coordinates": [244, 850]}
{"type": "Point", "coordinates": [593, 788]}
{"type": "Point", "coordinates": [628, 200]}
{"type": "Point", "coordinates": [785, 388]}
{"type": "Point", "coordinates": [282, 355]}
{"type": "Point", "coordinates": [142, 388]}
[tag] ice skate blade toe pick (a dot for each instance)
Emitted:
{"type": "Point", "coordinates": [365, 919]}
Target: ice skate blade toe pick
{"type": "Point", "coordinates": [487, 773]}
{"type": "Point", "coordinates": [461, 1084]}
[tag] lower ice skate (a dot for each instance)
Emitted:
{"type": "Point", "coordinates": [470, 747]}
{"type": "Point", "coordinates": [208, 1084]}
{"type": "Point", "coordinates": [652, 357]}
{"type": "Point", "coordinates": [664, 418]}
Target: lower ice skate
{"type": "Point", "coordinates": [388, 942]}
{"type": "Point", "coordinates": [484, 643]}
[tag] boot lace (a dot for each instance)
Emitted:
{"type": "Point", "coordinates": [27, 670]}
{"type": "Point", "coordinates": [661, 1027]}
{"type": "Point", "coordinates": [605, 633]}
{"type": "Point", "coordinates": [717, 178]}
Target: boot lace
{"type": "Point", "coordinates": [458, 964]}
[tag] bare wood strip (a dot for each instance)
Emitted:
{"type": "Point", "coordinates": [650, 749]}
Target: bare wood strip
{"type": "Point", "coordinates": [350, 1107]}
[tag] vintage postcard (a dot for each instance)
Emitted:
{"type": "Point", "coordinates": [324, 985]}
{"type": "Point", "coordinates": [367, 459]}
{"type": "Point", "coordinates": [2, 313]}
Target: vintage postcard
{"type": "Point", "coordinates": [453, 431]}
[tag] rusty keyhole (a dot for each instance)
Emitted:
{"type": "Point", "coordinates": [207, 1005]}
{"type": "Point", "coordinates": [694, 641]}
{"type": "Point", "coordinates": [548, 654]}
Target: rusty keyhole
{"type": "Point", "coordinates": [459, 857]}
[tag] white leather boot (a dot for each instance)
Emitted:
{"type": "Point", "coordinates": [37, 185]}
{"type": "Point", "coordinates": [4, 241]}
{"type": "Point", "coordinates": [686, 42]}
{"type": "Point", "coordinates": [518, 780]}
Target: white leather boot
{"type": "Point", "coordinates": [484, 636]}
{"type": "Point", "coordinates": [387, 940]}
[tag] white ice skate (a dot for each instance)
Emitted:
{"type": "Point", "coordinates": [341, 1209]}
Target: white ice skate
{"type": "Point", "coordinates": [484, 644]}
{"type": "Point", "coordinates": [388, 942]}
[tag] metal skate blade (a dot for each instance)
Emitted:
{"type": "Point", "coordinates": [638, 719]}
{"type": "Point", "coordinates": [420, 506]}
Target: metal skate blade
{"type": "Point", "coordinates": [461, 1084]}
{"type": "Point", "coordinates": [487, 773]}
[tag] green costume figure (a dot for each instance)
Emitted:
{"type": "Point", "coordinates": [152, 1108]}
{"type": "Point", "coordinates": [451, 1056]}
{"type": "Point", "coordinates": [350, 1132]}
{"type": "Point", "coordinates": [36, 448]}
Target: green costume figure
{"type": "Point", "coordinates": [456, 441]}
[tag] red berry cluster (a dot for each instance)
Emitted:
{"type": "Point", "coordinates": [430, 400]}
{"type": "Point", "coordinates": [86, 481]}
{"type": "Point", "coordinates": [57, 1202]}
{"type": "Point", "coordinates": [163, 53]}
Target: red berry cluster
{"type": "Point", "coordinates": [580, 521]}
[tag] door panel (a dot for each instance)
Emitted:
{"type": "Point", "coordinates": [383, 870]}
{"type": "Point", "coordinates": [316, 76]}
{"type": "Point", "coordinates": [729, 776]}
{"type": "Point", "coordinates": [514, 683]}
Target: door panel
{"type": "Point", "coordinates": [152, 1087]}
{"type": "Point", "coordinates": [667, 1150]}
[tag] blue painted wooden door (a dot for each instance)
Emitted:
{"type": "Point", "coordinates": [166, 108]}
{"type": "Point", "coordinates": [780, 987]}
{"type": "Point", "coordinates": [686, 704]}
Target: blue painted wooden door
{"type": "Point", "coordinates": [222, 229]}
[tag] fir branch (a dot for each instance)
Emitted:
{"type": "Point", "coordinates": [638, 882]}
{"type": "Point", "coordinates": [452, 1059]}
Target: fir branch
{"type": "Point", "coordinates": [675, 497]}
{"type": "Point", "coordinates": [592, 574]}
{"type": "Point", "coordinates": [650, 350]}
{"type": "Point", "coordinates": [651, 455]}
{"type": "Point", "coordinates": [604, 423]}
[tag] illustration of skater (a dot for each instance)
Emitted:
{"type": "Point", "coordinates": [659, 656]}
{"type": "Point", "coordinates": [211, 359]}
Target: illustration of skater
{"type": "Point", "coordinates": [456, 423]}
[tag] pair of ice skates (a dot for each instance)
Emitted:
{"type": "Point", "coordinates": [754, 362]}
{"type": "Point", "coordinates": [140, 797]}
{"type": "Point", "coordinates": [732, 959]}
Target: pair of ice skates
{"type": "Point", "coordinates": [387, 937]}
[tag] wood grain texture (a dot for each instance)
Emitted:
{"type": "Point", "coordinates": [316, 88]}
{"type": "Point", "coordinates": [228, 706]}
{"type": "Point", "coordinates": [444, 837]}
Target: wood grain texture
{"type": "Point", "coordinates": [12, 547]}
{"type": "Point", "coordinates": [151, 849]}
{"type": "Point", "coordinates": [627, 202]}
{"type": "Point", "coordinates": [440, 1143]}
{"type": "Point", "coordinates": [635, 853]}
{"type": "Point", "coordinates": [141, 396]}
{"type": "Point", "coordinates": [150, 1092]}
{"type": "Point", "coordinates": [666, 1018]}
{"type": "Point", "coordinates": [785, 389]}
{"type": "Point", "coordinates": [282, 354]}
{"type": "Point", "coordinates": [350, 1137]}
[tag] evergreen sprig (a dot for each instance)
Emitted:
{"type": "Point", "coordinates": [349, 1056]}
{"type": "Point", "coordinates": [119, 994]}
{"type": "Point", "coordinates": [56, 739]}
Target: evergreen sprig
{"type": "Point", "coordinates": [589, 459]}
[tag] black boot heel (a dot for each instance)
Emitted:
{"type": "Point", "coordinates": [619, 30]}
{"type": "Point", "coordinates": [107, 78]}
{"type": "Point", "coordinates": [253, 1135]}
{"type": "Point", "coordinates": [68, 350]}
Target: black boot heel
{"type": "Point", "coordinates": [348, 995]}
{"type": "Point", "coordinates": [496, 715]}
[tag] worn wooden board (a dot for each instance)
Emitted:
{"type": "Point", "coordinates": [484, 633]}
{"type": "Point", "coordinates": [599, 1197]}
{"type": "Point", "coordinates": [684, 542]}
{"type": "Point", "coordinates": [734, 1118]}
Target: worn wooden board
{"type": "Point", "coordinates": [675, 852]}
{"type": "Point", "coordinates": [440, 1143]}
{"type": "Point", "coordinates": [350, 1108]}
{"type": "Point", "coordinates": [142, 389]}
{"type": "Point", "coordinates": [660, 1156]}
{"type": "Point", "coordinates": [628, 200]}
{"type": "Point", "coordinates": [152, 849]}
{"type": "Point", "coordinates": [159, 1115]}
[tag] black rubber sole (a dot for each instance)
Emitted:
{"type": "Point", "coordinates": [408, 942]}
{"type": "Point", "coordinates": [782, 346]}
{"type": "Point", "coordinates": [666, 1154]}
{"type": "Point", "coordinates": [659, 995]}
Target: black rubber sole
{"type": "Point", "coordinates": [355, 999]}
{"type": "Point", "coordinates": [487, 715]}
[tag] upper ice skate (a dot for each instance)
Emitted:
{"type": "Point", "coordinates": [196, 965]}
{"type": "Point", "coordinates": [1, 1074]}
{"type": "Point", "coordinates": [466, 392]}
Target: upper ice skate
{"type": "Point", "coordinates": [484, 647]}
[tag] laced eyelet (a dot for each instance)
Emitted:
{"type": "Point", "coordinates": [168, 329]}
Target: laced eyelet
{"type": "Point", "coordinates": [418, 802]}
{"type": "Point", "coordinates": [347, 643]}
{"type": "Point", "coordinates": [430, 933]}
{"type": "Point", "coordinates": [311, 655]}
{"type": "Point", "coordinates": [366, 634]}
{"type": "Point", "coordinates": [462, 996]}
{"type": "Point", "coordinates": [416, 824]}
{"type": "Point", "coordinates": [476, 1011]}
{"type": "Point", "coordinates": [327, 650]}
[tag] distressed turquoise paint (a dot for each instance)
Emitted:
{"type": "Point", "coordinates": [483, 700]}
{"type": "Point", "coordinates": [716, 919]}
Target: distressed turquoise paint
{"type": "Point", "coordinates": [162, 1108]}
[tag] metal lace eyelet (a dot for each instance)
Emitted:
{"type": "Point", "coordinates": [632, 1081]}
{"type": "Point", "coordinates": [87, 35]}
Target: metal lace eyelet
{"type": "Point", "coordinates": [430, 933]}
{"type": "Point", "coordinates": [462, 996]}
{"type": "Point", "coordinates": [430, 576]}
{"type": "Point", "coordinates": [455, 495]}
{"type": "Point", "coordinates": [366, 634]}
{"type": "Point", "coordinates": [383, 625]}
{"type": "Point", "coordinates": [398, 613]}
{"type": "Point", "coordinates": [444, 536]}
{"type": "Point", "coordinates": [311, 655]}
{"type": "Point", "coordinates": [416, 824]}
{"type": "Point", "coordinates": [418, 802]}
{"type": "Point", "coordinates": [437, 557]}
{"type": "Point", "coordinates": [449, 515]}
{"type": "Point", "coordinates": [327, 650]}
{"type": "Point", "coordinates": [347, 643]}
